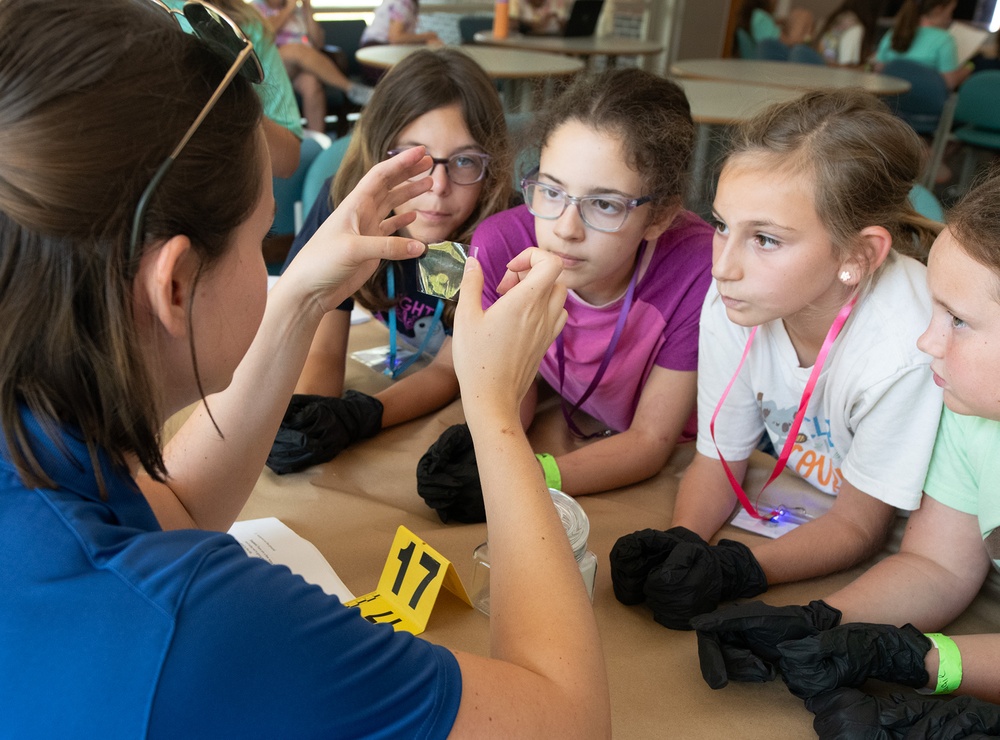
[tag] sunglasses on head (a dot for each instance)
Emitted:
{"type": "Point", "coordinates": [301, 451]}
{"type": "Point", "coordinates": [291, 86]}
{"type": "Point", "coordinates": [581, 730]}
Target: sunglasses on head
{"type": "Point", "coordinates": [225, 39]}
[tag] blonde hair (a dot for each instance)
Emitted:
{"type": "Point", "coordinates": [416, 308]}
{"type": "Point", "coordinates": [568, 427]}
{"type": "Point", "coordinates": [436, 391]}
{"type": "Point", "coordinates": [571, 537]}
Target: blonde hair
{"type": "Point", "coordinates": [863, 161]}
{"type": "Point", "coordinates": [975, 223]}
{"type": "Point", "coordinates": [648, 114]}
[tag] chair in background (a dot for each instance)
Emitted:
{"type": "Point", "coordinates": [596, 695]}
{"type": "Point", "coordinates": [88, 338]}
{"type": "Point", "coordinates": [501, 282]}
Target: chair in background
{"type": "Point", "coordinates": [928, 106]}
{"type": "Point", "coordinates": [979, 110]}
{"type": "Point", "coordinates": [805, 54]}
{"type": "Point", "coordinates": [325, 165]}
{"type": "Point", "coordinates": [341, 41]}
{"type": "Point", "coordinates": [288, 200]}
{"type": "Point", "coordinates": [746, 47]}
{"type": "Point", "coordinates": [772, 50]}
{"type": "Point", "coordinates": [470, 25]}
{"type": "Point", "coordinates": [926, 203]}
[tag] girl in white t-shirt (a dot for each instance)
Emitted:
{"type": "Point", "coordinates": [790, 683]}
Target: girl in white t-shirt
{"type": "Point", "coordinates": [946, 553]}
{"type": "Point", "coordinates": [814, 292]}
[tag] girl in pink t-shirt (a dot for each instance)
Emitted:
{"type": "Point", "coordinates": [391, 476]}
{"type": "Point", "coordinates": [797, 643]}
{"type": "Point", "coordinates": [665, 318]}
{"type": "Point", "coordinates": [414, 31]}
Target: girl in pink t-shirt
{"type": "Point", "coordinates": [606, 197]}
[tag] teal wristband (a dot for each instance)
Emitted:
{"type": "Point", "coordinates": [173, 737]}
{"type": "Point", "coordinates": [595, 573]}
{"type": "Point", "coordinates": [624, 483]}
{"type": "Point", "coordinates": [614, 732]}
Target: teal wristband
{"type": "Point", "coordinates": [949, 663]}
{"type": "Point", "coordinates": [553, 478]}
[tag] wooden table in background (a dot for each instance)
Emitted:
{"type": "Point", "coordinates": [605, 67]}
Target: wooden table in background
{"type": "Point", "coordinates": [787, 74]}
{"type": "Point", "coordinates": [507, 65]}
{"type": "Point", "coordinates": [587, 47]}
{"type": "Point", "coordinates": [716, 104]}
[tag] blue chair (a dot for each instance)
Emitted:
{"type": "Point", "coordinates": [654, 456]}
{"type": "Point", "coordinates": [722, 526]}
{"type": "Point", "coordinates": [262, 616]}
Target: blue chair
{"type": "Point", "coordinates": [746, 47]}
{"type": "Point", "coordinates": [288, 190]}
{"type": "Point", "coordinates": [928, 107]}
{"type": "Point", "coordinates": [805, 54]}
{"type": "Point", "coordinates": [341, 41]}
{"type": "Point", "coordinates": [926, 204]}
{"type": "Point", "coordinates": [344, 37]}
{"type": "Point", "coordinates": [979, 110]}
{"type": "Point", "coordinates": [323, 166]}
{"type": "Point", "coordinates": [921, 106]}
{"type": "Point", "coordinates": [470, 25]}
{"type": "Point", "coordinates": [772, 50]}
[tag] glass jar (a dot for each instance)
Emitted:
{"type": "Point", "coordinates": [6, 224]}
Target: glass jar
{"type": "Point", "coordinates": [577, 526]}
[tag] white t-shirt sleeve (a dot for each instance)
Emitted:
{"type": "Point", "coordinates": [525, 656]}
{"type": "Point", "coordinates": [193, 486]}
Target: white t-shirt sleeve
{"type": "Point", "coordinates": [849, 48]}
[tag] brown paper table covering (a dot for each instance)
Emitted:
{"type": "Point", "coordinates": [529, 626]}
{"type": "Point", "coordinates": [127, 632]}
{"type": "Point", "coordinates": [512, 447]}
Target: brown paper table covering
{"type": "Point", "coordinates": [350, 509]}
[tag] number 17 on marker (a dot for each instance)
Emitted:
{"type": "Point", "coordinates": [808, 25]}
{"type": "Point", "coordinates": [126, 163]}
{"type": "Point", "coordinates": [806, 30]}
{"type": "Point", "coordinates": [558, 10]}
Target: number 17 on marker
{"type": "Point", "coordinates": [409, 585]}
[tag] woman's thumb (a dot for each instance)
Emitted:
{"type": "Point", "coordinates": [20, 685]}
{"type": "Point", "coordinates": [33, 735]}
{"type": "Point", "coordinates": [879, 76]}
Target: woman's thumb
{"type": "Point", "coordinates": [470, 297]}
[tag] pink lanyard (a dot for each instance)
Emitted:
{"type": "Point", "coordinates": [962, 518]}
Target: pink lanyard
{"type": "Point", "coordinates": [786, 450]}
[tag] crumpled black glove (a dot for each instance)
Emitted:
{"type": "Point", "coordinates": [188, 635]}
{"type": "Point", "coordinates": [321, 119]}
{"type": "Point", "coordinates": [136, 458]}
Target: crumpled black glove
{"type": "Point", "coordinates": [741, 642]}
{"type": "Point", "coordinates": [693, 577]}
{"type": "Point", "coordinates": [316, 428]}
{"type": "Point", "coordinates": [851, 653]}
{"type": "Point", "coordinates": [635, 555]}
{"type": "Point", "coordinates": [448, 477]}
{"type": "Point", "coordinates": [849, 714]}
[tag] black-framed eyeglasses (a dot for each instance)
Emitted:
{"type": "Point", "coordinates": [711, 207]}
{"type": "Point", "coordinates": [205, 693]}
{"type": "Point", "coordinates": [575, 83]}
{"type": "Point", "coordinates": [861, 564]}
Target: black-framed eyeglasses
{"type": "Point", "coordinates": [224, 38]}
{"type": "Point", "coordinates": [464, 168]}
{"type": "Point", "coordinates": [605, 212]}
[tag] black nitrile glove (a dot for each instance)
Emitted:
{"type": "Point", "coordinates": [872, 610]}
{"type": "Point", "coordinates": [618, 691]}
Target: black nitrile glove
{"type": "Point", "coordinates": [695, 577]}
{"type": "Point", "coordinates": [316, 428]}
{"type": "Point", "coordinates": [849, 714]}
{"type": "Point", "coordinates": [740, 642]}
{"type": "Point", "coordinates": [851, 653]}
{"type": "Point", "coordinates": [635, 555]}
{"type": "Point", "coordinates": [448, 477]}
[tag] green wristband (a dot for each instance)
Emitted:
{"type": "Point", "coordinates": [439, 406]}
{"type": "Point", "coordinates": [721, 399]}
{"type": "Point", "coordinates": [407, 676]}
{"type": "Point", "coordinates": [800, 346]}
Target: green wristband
{"type": "Point", "coordinates": [553, 478]}
{"type": "Point", "coordinates": [949, 663]}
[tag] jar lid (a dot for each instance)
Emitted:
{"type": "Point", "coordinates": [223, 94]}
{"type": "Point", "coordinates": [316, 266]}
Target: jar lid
{"type": "Point", "coordinates": [574, 519]}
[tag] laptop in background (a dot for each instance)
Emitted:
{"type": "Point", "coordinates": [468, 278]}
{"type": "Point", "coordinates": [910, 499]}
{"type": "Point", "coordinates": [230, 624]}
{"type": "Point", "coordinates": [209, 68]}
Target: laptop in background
{"type": "Point", "coordinates": [583, 18]}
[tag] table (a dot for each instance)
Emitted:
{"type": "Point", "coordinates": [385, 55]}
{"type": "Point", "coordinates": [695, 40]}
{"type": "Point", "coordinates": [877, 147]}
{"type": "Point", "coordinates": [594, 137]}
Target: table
{"type": "Point", "coordinates": [587, 46]}
{"type": "Point", "coordinates": [714, 104]}
{"type": "Point", "coordinates": [350, 508]}
{"type": "Point", "coordinates": [788, 74]}
{"type": "Point", "coordinates": [510, 65]}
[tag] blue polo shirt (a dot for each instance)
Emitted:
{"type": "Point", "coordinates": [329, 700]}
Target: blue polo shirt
{"type": "Point", "coordinates": [113, 628]}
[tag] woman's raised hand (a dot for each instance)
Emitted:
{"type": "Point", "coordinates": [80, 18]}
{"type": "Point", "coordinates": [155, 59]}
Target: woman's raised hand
{"type": "Point", "coordinates": [347, 247]}
{"type": "Point", "coordinates": [497, 352]}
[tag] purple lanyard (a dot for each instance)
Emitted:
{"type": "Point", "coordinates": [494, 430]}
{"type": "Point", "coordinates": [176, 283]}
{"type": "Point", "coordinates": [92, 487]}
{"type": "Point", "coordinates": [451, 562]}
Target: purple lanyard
{"type": "Point", "coordinates": [567, 410]}
{"type": "Point", "coordinates": [786, 449]}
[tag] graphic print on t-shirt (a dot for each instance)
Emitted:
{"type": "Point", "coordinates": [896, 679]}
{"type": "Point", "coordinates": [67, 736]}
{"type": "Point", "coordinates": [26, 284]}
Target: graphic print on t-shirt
{"type": "Point", "coordinates": [813, 457]}
{"type": "Point", "coordinates": [414, 318]}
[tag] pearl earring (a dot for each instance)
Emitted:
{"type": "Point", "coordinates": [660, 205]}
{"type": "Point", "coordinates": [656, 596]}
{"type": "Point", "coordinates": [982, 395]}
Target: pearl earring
{"type": "Point", "coordinates": [845, 276]}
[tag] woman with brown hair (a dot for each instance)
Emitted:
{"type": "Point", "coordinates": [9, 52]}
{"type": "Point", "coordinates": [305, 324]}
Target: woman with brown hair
{"type": "Point", "coordinates": [132, 286]}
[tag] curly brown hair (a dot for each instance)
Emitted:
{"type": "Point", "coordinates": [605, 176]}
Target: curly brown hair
{"type": "Point", "coordinates": [651, 117]}
{"type": "Point", "coordinates": [975, 223]}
